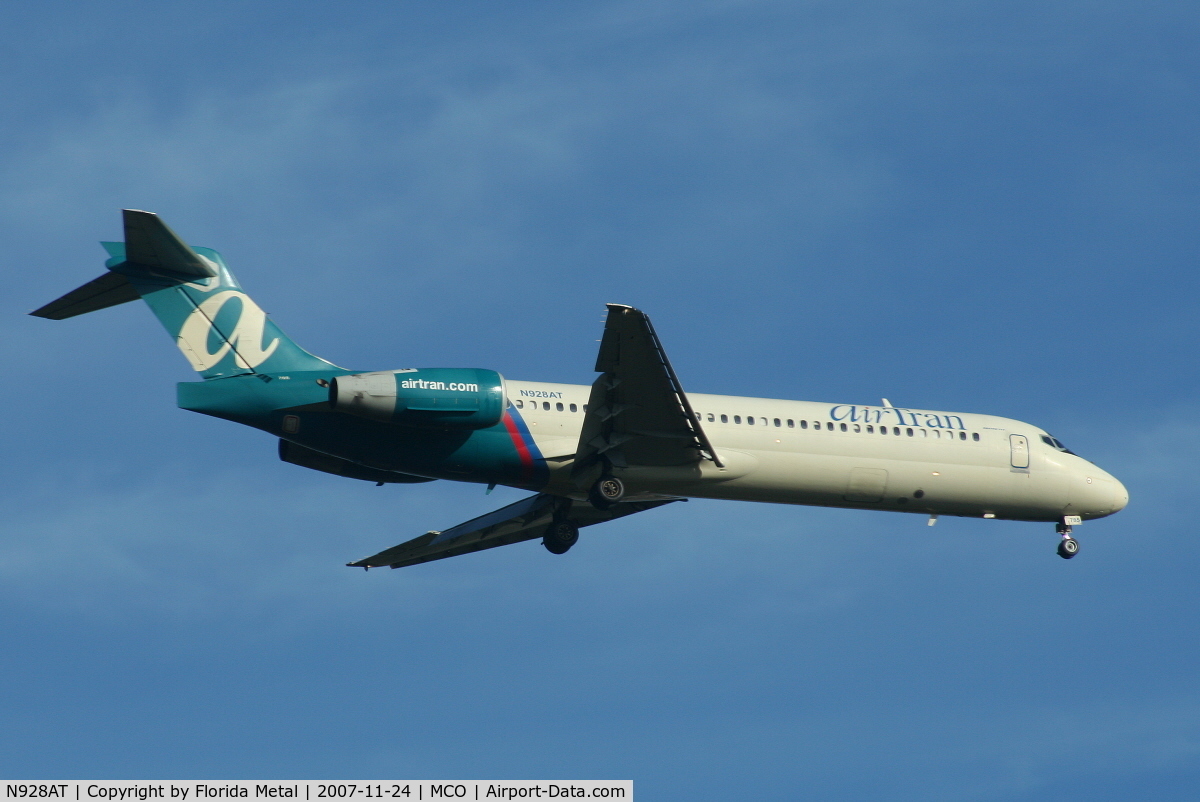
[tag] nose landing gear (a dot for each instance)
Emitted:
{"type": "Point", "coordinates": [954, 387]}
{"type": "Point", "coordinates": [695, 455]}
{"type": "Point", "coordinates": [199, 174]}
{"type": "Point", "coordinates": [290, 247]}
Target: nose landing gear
{"type": "Point", "coordinates": [1068, 547]}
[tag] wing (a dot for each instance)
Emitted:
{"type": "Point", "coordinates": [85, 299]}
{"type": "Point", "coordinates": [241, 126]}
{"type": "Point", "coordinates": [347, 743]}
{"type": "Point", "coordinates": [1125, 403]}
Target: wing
{"type": "Point", "coordinates": [638, 413]}
{"type": "Point", "coordinates": [525, 520]}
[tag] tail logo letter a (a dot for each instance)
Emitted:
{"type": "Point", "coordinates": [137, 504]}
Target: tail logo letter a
{"type": "Point", "coordinates": [244, 340]}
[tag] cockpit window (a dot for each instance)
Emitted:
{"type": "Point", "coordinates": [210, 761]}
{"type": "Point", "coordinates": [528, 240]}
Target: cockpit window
{"type": "Point", "coordinates": [1054, 443]}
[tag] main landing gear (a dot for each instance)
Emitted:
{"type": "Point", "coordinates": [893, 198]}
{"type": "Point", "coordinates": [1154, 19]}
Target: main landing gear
{"type": "Point", "coordinates": [607, 491]}
{"type": "Point", "coordinates": [1068, 547]}
{"type": "Point", "coordinates": [560, 537]}
{"type": "Point", "coordinates": [561, 534]}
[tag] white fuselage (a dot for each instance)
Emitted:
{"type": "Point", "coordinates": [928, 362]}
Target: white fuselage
{"type": "Point", "coordinates": [846, 455]}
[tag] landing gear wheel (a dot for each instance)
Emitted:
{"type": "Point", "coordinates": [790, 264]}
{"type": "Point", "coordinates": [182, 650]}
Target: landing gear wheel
{"type": "Point", "coordinates": [1068, 548]}
{"type": "Point", "coordinates": [606, 492]}
{"type": "Point", "coordinates": [560, 537]}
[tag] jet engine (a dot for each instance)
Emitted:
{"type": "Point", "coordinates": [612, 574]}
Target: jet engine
{"type": "Point", "coordinates": [433, 398]}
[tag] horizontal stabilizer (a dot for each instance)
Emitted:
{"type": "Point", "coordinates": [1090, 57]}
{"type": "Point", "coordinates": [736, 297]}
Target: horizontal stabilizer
{"type": "Point", "coordinates": [150, 243]}
{"type": "Point", "coordinates": [108, 290]}
{"type": "Point", "coordinates": [525, 520]}
{"type": "Point", "coordinates": [215, 324]}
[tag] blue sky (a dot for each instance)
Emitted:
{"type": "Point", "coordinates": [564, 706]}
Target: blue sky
{"type": "Point", "coordinates": [972, 206]}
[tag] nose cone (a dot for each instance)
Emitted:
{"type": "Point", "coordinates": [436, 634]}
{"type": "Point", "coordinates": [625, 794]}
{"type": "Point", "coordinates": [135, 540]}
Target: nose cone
{"type": "Point", "coordinates": [1121, 498]}
{"type": "Point", "coordinates": [1101, 494]}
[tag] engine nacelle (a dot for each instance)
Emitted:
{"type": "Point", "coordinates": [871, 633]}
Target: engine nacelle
{"type": "Point", "coordinates": [433, 398]}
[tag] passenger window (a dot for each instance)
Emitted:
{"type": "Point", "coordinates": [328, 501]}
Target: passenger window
{"type": "Point", "coordinates": [520, 404]}
{"type": "Point", "coordinates": [778, 423]}
{"type": "Point", "coordinates": [559, 406]}
{"type": "Point", "coordinates": [896, 430]}
{"type": "Point", "coordinates": [924, 432]}
{"type": "Point", "coordinates": [857, 428]}
{"type": "Point", "coordinates": [749, 420]}
{"type": "Point", "coordinates": [870, 429]}
{"type": "Point", "coordinates": [975, 437]}
{"type": "Point", "coordinates": [844, 427]}
{"type": "Point", "coordinates": [791, 424]}
{"type": "Point", "coordinates": [910, 432]}
{"type": "Point", "coordinates": [724, 419]}
{"type": "Point", "coordinates": [737, 418]}
{"type": "Point", "coordinates": [585, 407]}
{"type": "Point", "coordinates": [710, 417]}
{"type": "Point", "coordinates": [803, 424]}
{"type": "Point", "coordinates": [546, 405]}
{"type": "Point", "coordinates": [883, 430]}
{"type": "Point", "coordinates": [574, 408]}
{"type": "Point", "coordinates": [962, 435]}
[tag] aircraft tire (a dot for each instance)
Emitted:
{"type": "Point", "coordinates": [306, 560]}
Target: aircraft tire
{"type": "Point", "coordinates": [1068, 548]}
{"type": "Point", "coordinates": [606, 492]}
{"type": "Point", "coordinates": [560, 537]}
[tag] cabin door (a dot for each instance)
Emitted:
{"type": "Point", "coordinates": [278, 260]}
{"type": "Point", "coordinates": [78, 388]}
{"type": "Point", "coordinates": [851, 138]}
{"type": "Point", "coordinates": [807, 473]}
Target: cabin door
{"type": "Point", "coordinates": [1019, 445]}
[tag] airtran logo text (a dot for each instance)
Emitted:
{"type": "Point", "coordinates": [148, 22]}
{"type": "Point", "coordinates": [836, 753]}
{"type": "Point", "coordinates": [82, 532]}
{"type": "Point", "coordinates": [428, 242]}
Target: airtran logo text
{"type": "Point", "coordinates": [903, 417]}
{"type": "Point", "coordinates": [421, 384]}
{"type": "Point", "coordinates": [244, 339]}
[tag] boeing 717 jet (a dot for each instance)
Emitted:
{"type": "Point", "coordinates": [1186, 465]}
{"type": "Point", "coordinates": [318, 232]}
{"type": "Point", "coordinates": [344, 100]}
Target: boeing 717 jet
{"type": "Point", "coordinates": [631, 441]}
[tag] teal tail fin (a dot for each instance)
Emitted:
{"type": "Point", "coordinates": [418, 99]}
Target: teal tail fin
{"type": "Point", "coordinates": [220, 330]}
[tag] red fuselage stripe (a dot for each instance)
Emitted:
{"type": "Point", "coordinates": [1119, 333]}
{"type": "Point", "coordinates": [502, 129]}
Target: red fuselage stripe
{"type": "Point", "coordinates": [522, 449]}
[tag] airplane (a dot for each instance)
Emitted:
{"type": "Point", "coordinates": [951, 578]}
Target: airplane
{"type": "Point", "coordinates": [632, 441]}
